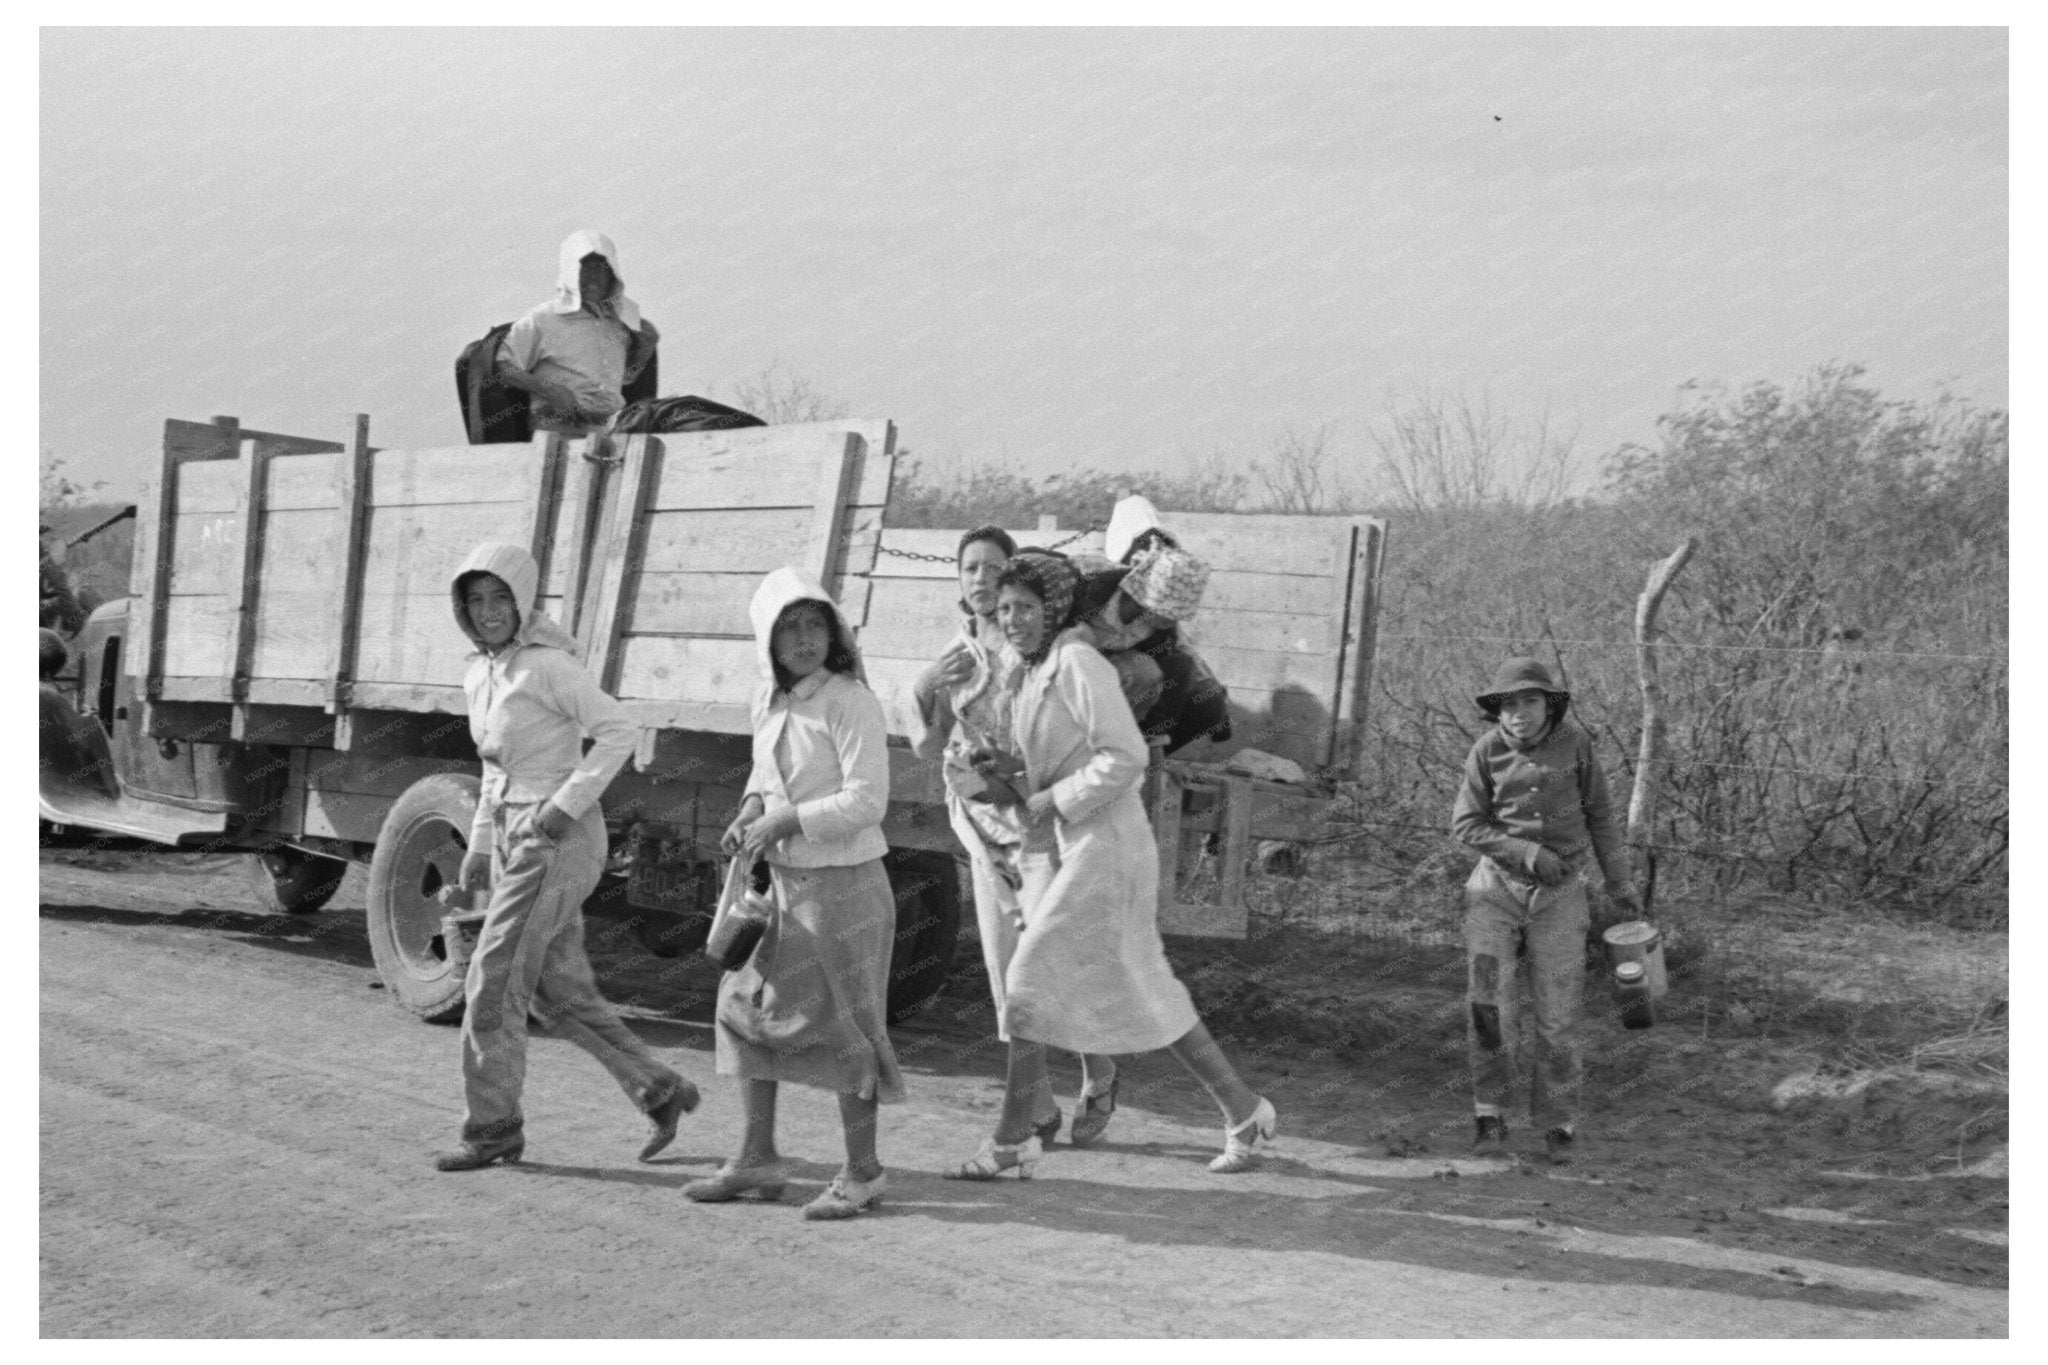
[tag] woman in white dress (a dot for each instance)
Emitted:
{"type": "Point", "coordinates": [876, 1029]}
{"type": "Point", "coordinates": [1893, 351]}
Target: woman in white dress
{"type": "Point", "coordinates": [963, 708]}
{"type": "Point", "coordinates": [1089, 973]}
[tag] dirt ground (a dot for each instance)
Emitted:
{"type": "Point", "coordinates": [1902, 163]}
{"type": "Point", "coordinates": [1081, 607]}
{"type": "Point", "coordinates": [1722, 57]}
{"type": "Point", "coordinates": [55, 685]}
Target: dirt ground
{"type": "Point", "coordinates": [235, 1124]}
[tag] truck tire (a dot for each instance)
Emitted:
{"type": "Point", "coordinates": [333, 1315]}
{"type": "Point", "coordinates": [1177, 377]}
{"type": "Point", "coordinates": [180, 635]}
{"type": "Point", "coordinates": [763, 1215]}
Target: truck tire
{"type": "Point", "coordinates": [927, 887]}
{"type": "Point", "coordinates": [419, 851]}
{"type": "Point", "coordinates": [291, 881]}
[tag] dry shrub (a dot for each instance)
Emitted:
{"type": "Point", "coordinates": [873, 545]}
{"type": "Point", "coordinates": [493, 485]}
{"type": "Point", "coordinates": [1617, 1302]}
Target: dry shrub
{"type": "Point", "coordinates": [1834, 656]}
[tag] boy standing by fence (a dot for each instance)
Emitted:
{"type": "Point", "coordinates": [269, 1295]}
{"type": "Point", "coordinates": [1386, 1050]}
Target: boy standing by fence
{"type": "Point", "coordinates": [1535, 803]}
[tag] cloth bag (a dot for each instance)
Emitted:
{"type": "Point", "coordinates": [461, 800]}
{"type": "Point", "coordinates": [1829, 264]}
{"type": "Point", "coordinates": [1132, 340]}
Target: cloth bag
{"type": "Point", "coordinates": [684, 412]}
{"type": "Point", "coordinates": [742, 918]}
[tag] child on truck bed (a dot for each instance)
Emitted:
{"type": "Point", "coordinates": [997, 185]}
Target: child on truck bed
{"type": "Point", "coordinates": [1535, 803]}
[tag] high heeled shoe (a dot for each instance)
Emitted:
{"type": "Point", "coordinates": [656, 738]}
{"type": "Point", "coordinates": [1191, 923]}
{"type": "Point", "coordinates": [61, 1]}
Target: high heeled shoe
{"type": "Point", "coordinates": [1238, 1142]}
{"type": "Point", "coordinates": [1092, 1113]}
{"type": "Point", "coordinates": [1049, 1129]}
{"type": "Point", "coordinates": [732, 1181]}
{"type": "Point", "coordinates": [665, 1116]}
{"type": "Point", "coordinates": [996, 1157]}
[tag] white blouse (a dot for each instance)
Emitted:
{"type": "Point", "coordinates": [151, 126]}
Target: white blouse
{"type": "Point", "coordinates": [823, 747]}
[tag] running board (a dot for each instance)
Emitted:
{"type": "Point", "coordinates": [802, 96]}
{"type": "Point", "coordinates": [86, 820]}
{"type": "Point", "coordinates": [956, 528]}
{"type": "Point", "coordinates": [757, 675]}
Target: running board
{"type": "Point", "coordinates": [128, 816]}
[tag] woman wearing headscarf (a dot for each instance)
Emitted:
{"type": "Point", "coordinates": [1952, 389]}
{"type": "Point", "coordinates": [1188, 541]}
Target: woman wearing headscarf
{"type": "Point", "coordinates": [963, 710]}
{"type": "Point", "coordinates": [810, 1004]}
{"type": "Point", "coordinates": [577, 352]}
{"type": "Point", "coordinates": [1089, 973]}
{"type": "Point", "coordinates": [1133, 614]}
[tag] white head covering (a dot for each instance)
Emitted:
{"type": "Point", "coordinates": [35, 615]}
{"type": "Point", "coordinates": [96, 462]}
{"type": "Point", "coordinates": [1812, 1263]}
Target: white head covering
{"type": "Point", "coordinates": [516, 567]}
{"type": "Point", "coordinates": [569, 272]}
{"type": "Point", "coordinates": [1129, 519]}
{"type": "Point", "coordinates": [777, 591]}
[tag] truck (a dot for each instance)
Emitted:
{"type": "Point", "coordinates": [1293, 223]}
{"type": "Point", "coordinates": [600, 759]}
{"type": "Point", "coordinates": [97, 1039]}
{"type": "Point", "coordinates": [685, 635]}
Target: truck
{"type": "Point", "coordinates": [284, 678]}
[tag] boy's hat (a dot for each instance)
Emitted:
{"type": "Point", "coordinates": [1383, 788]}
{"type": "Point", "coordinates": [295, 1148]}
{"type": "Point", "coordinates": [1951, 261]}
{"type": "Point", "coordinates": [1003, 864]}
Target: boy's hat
{"type": "Point", "coordinates": [1167, 582]}
{"type": "Point", "coordinates": [1519, 675]}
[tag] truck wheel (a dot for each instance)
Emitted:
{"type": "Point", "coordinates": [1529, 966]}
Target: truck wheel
{"type": "Point", "coordinates": [927, 887]}
{"type": "Point", "coordinates": [291, 881]}
{"type": "Point", "coordinates": [419, 851]}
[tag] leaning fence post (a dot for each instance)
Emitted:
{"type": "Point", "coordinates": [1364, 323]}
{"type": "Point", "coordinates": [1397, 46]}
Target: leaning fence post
{"type": "Point", "coordinates": [1642, 799]}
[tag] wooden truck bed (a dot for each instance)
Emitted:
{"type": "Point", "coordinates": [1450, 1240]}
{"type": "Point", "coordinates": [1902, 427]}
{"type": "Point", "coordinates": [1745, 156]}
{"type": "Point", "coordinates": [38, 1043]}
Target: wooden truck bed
{"type": "Point", "coordinates": [1286, 622]}
{"type": "Point", "coordinates": [284, 572]}
{"type": "Point", "coordinates": [294, 592]}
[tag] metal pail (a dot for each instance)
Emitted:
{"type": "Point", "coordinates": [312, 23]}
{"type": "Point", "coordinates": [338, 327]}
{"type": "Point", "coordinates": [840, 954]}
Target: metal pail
{"type": "Point", "coordinates": [1638, 940]}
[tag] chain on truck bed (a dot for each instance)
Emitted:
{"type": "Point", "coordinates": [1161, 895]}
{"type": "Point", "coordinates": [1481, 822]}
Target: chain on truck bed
{"type": "Point", "coordinates": [953, 558]}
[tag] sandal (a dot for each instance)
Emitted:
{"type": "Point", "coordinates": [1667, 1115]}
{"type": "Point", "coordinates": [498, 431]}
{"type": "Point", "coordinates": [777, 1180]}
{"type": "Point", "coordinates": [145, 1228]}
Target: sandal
{"type": "Point", "coordinates": [1050, 1129]}
{"type": "Point", "coordinates": [732, 1181]}
{"type": "Point", "coordinates": [996, 1157]}
{"type": "Point", "coordinates": [1239, 1141]}
{"type": "Point", "coordinates": [1093, 1113]}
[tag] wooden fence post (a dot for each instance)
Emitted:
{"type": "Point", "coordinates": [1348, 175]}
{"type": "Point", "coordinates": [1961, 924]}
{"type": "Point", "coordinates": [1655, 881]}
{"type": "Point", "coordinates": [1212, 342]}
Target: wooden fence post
{"type": "Point", "coordinates": [1642, 800]}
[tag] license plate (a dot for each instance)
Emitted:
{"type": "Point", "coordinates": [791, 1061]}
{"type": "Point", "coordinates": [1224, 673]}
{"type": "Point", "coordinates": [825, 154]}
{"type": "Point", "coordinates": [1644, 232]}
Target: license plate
{"type": "Point", "coordinates": [665, 888]}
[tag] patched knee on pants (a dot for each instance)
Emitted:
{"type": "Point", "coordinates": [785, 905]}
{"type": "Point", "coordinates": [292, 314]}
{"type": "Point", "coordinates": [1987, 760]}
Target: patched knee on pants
{"type": "Point", "coordinates": [1485, 974]}
{"type": "Point", "coordinates": [1486, 1023]}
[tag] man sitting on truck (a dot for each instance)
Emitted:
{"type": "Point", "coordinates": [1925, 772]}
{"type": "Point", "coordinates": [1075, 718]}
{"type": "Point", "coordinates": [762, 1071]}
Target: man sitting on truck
{"type": "Point", "coordinates": [577, 352]}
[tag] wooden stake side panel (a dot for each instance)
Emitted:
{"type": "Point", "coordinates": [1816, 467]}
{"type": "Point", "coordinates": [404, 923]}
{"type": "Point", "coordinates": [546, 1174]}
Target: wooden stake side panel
{"type": "Point", "coordinates": [715, 512]}
{"type": "Point", "coordinates": [300, 542]}
{"type": "Point", "coordinates": [722, 510]}
{"type": "Point", "coordinates": [1273, 624]}
{"type": "Point", "coordinates": [763, 467]}
{"type": "Point", "coordinates": [304, 541]}
{"type": "Point", "coordinates": [190, 542]}
{"type": "Point", "coordinates": [407, 632]}
{"type": "Point", "coordinates": [750, 541]}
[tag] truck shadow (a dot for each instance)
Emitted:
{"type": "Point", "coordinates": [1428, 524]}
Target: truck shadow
{"type": "Point", "coordinates": [336, 936]}
{"type": "Point", "coordinates": [1370, 1220]}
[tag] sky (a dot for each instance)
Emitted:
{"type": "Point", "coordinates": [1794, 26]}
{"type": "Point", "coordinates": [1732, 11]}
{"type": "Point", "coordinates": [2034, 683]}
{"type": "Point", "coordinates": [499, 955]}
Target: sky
{"type": "Point", "coordinates": [1047, 250]}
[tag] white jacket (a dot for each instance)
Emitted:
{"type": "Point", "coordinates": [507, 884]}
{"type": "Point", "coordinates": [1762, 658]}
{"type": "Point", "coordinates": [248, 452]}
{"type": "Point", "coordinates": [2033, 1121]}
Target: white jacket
{"type": "Point", "coordinates": [532, 703]}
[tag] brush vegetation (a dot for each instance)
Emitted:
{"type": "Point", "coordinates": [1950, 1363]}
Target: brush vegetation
{"type": "Point", "coordinates": [1833, 657]}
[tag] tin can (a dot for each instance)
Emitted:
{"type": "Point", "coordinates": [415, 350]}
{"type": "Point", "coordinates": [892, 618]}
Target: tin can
{"type": "Point", "coordinates": [1632, 995]}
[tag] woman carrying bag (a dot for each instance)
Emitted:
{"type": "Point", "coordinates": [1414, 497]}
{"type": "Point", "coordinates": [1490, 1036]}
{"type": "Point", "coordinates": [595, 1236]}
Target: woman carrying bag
{"type": "Point", "coordinates": [809, 1004]}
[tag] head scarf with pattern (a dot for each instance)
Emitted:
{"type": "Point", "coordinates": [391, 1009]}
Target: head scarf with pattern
{"type": "Point", "coordinates": [1049, 577]}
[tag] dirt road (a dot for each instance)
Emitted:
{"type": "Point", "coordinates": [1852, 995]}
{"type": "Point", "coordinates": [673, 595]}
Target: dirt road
{"type": "Point", "coordinates": [235, 1126]}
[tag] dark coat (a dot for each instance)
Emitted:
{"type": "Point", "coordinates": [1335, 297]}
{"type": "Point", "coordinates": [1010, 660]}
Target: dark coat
{"type": "Point", "coordinates": [498, 414]}
{"type": "Point", "coordinates": [1193, 703]}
